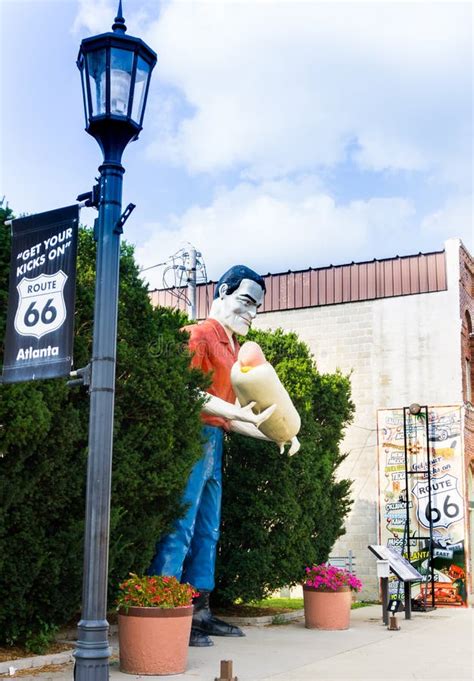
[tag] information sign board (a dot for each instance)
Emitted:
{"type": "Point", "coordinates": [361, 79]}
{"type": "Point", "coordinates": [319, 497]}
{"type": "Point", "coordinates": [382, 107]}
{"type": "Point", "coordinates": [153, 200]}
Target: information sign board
{"type": "Point", "coordinates": [39, 335]}
{"type": "Point", "coordinates": [398, 564]}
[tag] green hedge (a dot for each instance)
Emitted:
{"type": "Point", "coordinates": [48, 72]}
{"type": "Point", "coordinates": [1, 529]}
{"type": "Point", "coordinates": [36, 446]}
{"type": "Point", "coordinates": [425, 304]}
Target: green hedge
{"type": "Point", "coordinates": [281, 513]}
{"type": "Point", "coordinates": [43, 452]}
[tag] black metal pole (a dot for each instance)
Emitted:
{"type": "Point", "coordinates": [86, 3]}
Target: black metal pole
{"type": "Point", "coordinates": [385, 598]}
{"type": "Point", "coordinates": [92, 649]}
{"type": "Point", "coordinates": [428, 466]}
{"type": "Point", "coordinates": [407, 485]}
{"type": "Point", "coordinates": [407, 592]}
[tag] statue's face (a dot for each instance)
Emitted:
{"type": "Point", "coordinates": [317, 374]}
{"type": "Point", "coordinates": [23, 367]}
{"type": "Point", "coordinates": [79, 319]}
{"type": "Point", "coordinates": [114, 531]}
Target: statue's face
{"type": "Point", "coordinates": [237, 310]}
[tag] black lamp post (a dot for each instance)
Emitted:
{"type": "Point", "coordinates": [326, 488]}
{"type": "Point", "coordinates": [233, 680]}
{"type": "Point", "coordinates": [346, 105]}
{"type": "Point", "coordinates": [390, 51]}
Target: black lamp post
{"type": "Point", "coordinates": [115, 71]}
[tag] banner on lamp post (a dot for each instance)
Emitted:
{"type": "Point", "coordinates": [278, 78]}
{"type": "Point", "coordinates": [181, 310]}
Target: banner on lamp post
{"type": "Point", "coordinates": [40, 319]}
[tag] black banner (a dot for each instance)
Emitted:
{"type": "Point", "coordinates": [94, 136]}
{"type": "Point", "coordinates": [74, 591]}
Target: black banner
{"type": "Point", "coordinates": [40, 321]}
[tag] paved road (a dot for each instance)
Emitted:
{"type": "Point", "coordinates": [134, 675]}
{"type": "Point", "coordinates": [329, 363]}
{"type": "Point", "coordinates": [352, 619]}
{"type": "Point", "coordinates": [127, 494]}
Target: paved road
{"type": "Point", "coordinates": [435, 646]}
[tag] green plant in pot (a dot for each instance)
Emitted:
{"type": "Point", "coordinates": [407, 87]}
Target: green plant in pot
{"type": "Point", "coordinates": [154, 621]}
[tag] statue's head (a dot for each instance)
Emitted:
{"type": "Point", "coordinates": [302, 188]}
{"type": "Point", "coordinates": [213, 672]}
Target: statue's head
{"type": "Point", "coordinates": [238, 295]}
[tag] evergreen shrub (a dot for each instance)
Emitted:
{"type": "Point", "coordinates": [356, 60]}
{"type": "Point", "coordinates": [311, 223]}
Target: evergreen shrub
{"type": "Point", "coordinates": [43, 454]}
{"type": "Point", "coordinates": [280, 513]}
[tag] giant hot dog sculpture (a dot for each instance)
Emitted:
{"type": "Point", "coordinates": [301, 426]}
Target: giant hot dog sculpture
{"type": "Point", "coordinates": [255, 380]}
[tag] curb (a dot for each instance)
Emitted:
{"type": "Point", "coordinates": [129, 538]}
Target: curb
{"type": "Point", "coordinates": [265, 620]}
{"type": "Point", "coordinates": [36, 661]}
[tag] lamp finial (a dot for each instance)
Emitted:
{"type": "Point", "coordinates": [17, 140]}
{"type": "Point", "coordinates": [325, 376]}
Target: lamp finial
{"type": "Point", "coordinates": [119, 22]}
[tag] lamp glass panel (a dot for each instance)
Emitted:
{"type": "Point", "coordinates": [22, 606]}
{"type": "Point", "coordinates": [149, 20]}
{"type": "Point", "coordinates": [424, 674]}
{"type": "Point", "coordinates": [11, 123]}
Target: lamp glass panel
{"type": "Point", "coordinates": [83, 83]}
{"type": "Point", "coordinates": [121, 63]}
{"type": "Point", "coordinates": [141, 78]}
{"type": "Point", "coordinates": [96, 68]}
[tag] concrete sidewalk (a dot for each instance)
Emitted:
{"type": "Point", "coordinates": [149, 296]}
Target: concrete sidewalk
{"type": "Point", "coordinates": [434, 646]}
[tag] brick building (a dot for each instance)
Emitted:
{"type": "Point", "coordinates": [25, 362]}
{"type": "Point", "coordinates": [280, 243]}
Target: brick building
{"type": "Point", "coordinates": [402, 327]}
{"type": "Point", "coordinates": [466, 294]}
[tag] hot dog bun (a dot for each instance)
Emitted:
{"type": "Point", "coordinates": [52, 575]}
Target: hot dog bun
{"type": "Point", "coordinates": [255, 380]}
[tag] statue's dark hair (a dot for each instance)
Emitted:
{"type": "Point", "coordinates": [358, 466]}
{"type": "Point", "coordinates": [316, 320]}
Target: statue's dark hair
{"type": "Point", "coordinates": [234, 276]}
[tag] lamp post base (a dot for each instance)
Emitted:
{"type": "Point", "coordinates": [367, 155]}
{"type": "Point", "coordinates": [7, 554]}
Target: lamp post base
{"type": "Point", "coordinates": [92, 651]}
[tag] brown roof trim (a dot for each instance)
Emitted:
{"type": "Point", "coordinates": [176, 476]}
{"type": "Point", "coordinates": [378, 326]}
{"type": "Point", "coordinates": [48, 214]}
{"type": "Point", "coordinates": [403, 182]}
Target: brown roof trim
{"type": "Point", "coordinates": [353, 262]}
{"type": "Point", "coordinates": [335, 284]}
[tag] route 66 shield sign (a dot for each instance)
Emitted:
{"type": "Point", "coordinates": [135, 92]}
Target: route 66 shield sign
{"type": "Point", "coordinates": [40, 320]}
{"type": "Point", "coordinates": [41, 307]}
{"type": "Point", "coordinates": [446, 505]}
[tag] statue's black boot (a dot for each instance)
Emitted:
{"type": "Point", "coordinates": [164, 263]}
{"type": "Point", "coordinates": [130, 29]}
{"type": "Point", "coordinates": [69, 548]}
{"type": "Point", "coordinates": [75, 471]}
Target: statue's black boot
{"type": "Point", "coordinates": [199, 640]}
{"type": "Point", "coordinates": [206, 624]}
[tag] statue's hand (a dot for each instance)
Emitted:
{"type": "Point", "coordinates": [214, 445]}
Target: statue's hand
{"type": "Point", "coordinates": [215, 406]}
{"type": "Point", "coordinates": [247, 415]}
{"type": "Point", "coordinates": [294, 446]}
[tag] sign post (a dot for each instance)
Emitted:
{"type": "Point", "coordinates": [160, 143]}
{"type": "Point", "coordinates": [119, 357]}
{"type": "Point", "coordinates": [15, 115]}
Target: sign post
{"type": "Point", "coordinates": [400, 567]}
{"type": "Point", "coordinates": [40, 319]}
{"type": "Point", "coordinates": [383, 573]}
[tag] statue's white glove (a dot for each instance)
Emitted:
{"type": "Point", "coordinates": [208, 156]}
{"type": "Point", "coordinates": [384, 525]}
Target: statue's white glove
{"type": "Point", "coordinates": [215, 406]}
{"type": "Point", "coordinates": [294, 446]}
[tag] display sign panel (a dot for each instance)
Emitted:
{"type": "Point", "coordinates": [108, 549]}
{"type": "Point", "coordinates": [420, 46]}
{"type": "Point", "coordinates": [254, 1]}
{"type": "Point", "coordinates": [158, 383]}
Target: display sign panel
{"type": "Point", "coordinates": [446, 510]}
{"type": "Point", "coordinates": [40, 320]}
{"type": "Point", "coordinates": [398, 564]}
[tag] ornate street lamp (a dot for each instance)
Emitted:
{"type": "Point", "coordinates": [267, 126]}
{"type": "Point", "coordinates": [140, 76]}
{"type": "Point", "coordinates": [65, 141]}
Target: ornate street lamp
{"type": "Point", "coordinates": [115, 70]}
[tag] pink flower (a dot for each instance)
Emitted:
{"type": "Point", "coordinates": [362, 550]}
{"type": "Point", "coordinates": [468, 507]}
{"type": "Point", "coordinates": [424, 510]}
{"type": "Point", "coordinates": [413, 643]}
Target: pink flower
{"type": "Point", "coordinates": [329, 578]}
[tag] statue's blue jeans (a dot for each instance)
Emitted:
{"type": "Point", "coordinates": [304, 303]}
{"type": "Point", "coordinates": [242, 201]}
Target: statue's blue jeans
{"type": "Point", "coordinates": [189, 551]}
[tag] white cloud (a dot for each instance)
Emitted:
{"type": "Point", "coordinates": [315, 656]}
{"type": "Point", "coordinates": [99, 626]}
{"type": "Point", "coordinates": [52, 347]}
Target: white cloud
{"type": "Point", "coordinates": [282, 87]}
{"type": "Point", "coordinates": [453, 219]}
{"type": "Point", "coordinates": [95, 15]}
{"type": "Point", "coordinates": [276, 95]}
{"type": "Point", "coordinates": [277, 226]}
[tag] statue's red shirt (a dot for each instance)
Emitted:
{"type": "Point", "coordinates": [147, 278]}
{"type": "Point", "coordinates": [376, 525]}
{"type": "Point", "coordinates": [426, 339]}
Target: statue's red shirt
{"type": "Point", "coordinates": [213, 353]}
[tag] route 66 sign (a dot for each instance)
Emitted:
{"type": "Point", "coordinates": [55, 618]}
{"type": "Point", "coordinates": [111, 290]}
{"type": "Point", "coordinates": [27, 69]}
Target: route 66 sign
{"type": "Point", "coordinates": [41, 308]}
{"type": "Point", "coordinates": [39, 334]}
{"type": "Point", "coordinates": [446, 505]}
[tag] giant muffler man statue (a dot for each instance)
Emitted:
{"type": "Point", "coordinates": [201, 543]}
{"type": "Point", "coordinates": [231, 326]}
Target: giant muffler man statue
{"type": "Point", "coordinates": [188, 552]}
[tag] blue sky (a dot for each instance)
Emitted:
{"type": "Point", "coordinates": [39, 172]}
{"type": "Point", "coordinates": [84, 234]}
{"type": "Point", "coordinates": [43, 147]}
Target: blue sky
{"type": "Point", "coordinates": [282, 135]}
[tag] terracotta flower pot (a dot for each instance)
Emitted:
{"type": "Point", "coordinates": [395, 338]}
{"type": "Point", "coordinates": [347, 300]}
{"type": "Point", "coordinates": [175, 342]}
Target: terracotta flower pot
{"type": "Point", "coordinates": [326, 609]}
{"type": "Point", "coordinates": [154, 641]}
